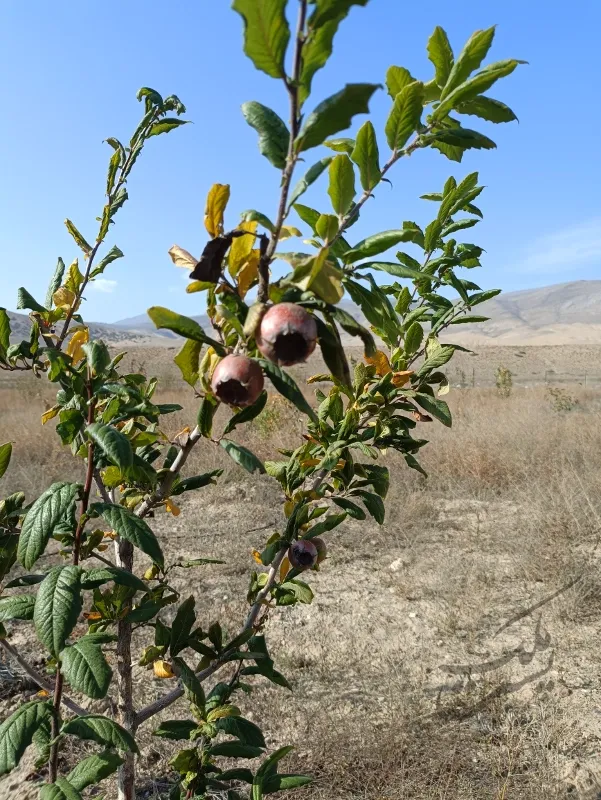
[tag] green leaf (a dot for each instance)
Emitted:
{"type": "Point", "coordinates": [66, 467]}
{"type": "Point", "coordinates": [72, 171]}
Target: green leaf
{"type": "Point", "coordinates": [191, 684]}
{"type": "Point", "coordinates": [242, 729]}
{"type": "Point", "coordinates": [335, 114]}
{"type": "Point", "coordinates": [396, 80]}
{"type": "Point", "coordinates": [79, 240]}
{"type": "Point", "coordinates": [375, 244]}
{"type": "Point", "coordinates": [287, 387]}
{"type": "Point", "coordinates": [56, 281]}
{"type": "Point", "coordinates": [5, 454]}
{"type": "Point", "coordinates": [392, 268]}
{"type": "Point", "coordinates": [464, 138]}
{"type": "Point", "coordinates": [183, 326]}
{"type": "Point", "coordinates": [57, 607]}
{"type": "Point", "coordinates": [300, 590]}
{"type": "Point", "coordinates": [333, 353]}
{"type": "Point", "coordinates": [281, 782]}
{"type": "Point", "coordinates": [60, 790]}
{"type": "Point", "coordinates": [351, 326]}
{"type": "Point", "coordinates": [374, 504]}
{"type": "Point", "coordinates": [367, 157]}
{"type": "Point", "coordinates": [113, 443]}
{"type": "Point", "coordinates": [327, 226]}
{"type": "Point", "coordinates": [437, 408]}
{"type": "Point", "coordinates": [255, 216]}
{"type": "Point", "coordinates": [459, 225]}
{"type": "Point", "coordinates": [94, 769]}
{"type": "Point", "coordinates": [267, 768]}
{"type": "Point", "coordinates": [19, 606]}
{"type": "Point", "coordinates": [342, 145]}
{"type": "Point", "coordinates": [234, 750]}
{"type": "Point", "coordinates": [266, 33]}
{"type": "Point", "coordinates": [323, 25]}
{"type": "Point", "coordinates": [4, 331]}
{"type": "Point", "coordinates": [16, 732]}
{"type": "Point", "coordinates": [86, 668]}
{"type": "Point", "coordinates": [473, 87]}
{"type": "Point", "coordinates": [113, 254]}
{"type": "Point", "coordinates": [413, 338]}
{"type": "Point", "coordinates": [101, 575]}
{"type": "Point", "coordinates": [43, 516]}
{"type": "Point", "coordinates": [130, 527]}
{"type": "Point", "coordinates": [98, 356]}
{"type": "Point", "coordinates": [274, 136]}
{"type": "Point", "coordinates": [101, 729]}
{"type": "Point", "coordinates": [176, 729]}
{"type": "Point", "coordinates": [405, 115]}
{"type": "Point", "coordinates": [165, 125]}
{"type": "Point", "coordinates": [308, 178]}
{"type": "Point", "coordinates": [488, 109]}
{"type": "Point", "coordinates": [470, 58]}
{"type": "Point", "coordinates": [25, 300]}
{"type": "Point", "coordinates": [182, 626]}
{"type": "Point", "coordinates": [328, 10]}
{"type": "Point", "coordinates": [246, 414]}
{"type": "Point", "coordinates": [188, 360]}
{"type": "Point", "coordinates": [440, 54]}
{"type": "Point", "coordinates": [242, 456]}
{"type": "Point", "coordinates": [196, 481]}
{"type": "Point", "coordinates": [353, 510]}
{"type": "Point", "coordinates": [206, 412]}
{"type": "Point", "coordinates": [23, 580]}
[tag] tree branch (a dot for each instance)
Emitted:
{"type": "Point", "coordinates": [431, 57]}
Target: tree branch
{"type": "Point", "coordinates": [291, 158]}
{"type": "Point", "coordinates": [167, 483]}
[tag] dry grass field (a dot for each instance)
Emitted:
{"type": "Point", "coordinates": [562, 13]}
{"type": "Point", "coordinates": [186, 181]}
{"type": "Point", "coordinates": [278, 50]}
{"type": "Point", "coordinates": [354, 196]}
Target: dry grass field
{"type": "Point", "coordinates": [451, 654]}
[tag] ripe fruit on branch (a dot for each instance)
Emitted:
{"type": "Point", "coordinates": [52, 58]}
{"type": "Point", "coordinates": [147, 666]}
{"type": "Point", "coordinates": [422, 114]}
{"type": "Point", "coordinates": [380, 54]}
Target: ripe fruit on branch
{"type": "Point", "coordinates": [303, 554]}
{"type": "Point", "coordinates": [237, 380]}
{"type": "Point", "coordinates": [287, 335]}
{"type": "Point", "coordinates": [322, 550]}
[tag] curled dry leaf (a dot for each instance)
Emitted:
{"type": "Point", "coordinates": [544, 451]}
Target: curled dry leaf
{"type": "Point", "coordinates": [182, 258]}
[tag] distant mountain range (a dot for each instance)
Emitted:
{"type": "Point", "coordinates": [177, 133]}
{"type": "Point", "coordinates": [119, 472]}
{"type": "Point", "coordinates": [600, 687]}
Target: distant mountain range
{"type": "Point", "coordinates": [566, 313]}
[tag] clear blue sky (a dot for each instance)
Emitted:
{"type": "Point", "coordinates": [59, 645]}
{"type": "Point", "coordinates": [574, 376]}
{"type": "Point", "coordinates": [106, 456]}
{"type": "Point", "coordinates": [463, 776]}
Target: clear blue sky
{"type": "Point", "coordinates": [70, 71]}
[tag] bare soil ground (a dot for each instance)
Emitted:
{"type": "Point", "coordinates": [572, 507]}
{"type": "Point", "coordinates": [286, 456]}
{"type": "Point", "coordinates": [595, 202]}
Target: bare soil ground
{"type": "Point", "coordinates": [450, 654]}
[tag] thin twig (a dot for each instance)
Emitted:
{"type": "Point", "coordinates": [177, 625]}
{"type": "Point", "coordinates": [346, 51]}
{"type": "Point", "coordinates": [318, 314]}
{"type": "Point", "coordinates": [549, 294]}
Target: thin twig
{"type": "Point", "coordinates": [40, 681]}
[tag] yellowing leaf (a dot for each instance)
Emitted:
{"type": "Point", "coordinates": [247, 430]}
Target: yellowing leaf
{"type": "Point", "coordinates": [74, 348]}
{"type": "Point", "coordinates": [172, 508]}
{"type": "Point", "coordinates": [340, 463]}
{"type": "Point", "coordinates": [43, 693]}
{"type": "Point", "coordinates": [93, 616]}
{"type": "Point", "coordinates": [401, 378]}
{"type": "Point", "coordinates": [198, 286]}
{"type": "Point", "coordinates": [50, 414]}
{"type": "Point", "coordinates": [248, 273]}
{"type": "Point", "coordinates": [257, 557]}
{"type": "Point", "coordinates": [289, 507]}
{"type": "Point", "coordinates": [380, 362]}
{"type": "Point", "coordinates": [287, 231]}
{"type": "Point", "coordinates": [74, 277]}
{"type": "Point", "coordinates": [310, 462]}
{"type": "Point", "coordinates": [151, 573]}
{"type": "Point", "coordinates": [162, 669]}
{"type": "Point", "coordinates": [241, 247]}
{"type": "Point", "coordinates": [217, 199]}
{"type": "Point", "coordinates": [284, 567]}
{"type": "Point", "coordinates": [182, 258]}
{"type": "Point", "coordinates": [64, 298]}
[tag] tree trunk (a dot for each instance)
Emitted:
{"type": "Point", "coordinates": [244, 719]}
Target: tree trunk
{"type": "Point", "coordinates": [125, 701]}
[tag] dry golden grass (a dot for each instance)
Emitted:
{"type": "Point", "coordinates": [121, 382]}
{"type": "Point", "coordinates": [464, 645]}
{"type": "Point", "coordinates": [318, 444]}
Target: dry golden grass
{"type": "Point", "coordinates": [407, 685]}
